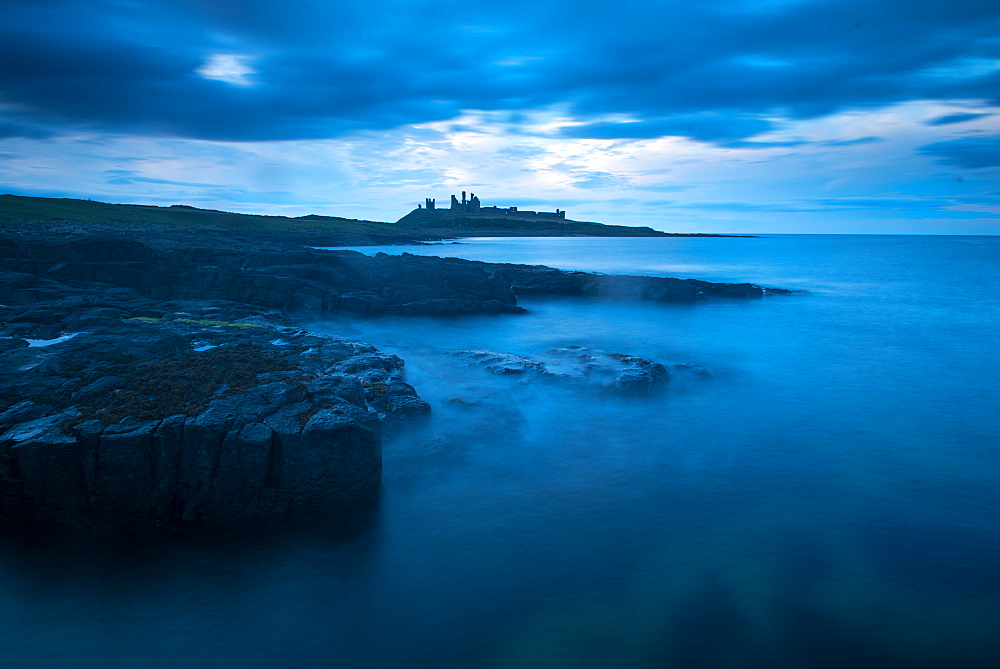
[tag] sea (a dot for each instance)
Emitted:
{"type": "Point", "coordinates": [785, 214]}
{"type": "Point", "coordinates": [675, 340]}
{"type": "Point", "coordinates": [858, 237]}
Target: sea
{"type": "Point", "coordinates": [827, 495]}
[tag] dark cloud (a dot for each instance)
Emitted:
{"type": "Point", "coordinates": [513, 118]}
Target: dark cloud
{"type": "Point", "coordinates": [716, 70]}
{"type": "Point", "coordinates": [12, 129]}
{"type": "Point", "coordinates": [968, 152]}
{"type": "Point", "coordinates": [955, 118]}
{"type": "Point", "coordinates": [15, 124]}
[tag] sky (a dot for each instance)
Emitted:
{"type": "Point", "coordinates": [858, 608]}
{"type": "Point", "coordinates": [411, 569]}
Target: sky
{"type": "Point", "coordinates": [781, 116]}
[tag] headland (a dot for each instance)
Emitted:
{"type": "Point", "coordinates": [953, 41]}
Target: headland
{"type": "Point", "coordinates": [467, 218]}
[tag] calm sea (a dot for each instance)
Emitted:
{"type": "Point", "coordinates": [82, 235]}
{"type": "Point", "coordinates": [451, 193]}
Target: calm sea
{"type": "Point", "coordinates": [828, 497]}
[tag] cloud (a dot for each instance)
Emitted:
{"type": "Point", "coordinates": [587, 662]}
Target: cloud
{"type": "Point", "coordinates": [969, 152]}
{"type": "Point", "coordinates": [663, 187]}
{"type": "Point", "coordinates": [707, 126]}
{"type": "Point", "coordinates": [14, 129]}
{"type": "Point", "coordinates": [15, 123]}
{"type": "Point", "coordinates": [229, 68]}
{"type": "Point", "coordinates": [730, 206]}
{"type": "Point", "coordinates": [598, 180]}
{"type": "Point", "coordinates": [714, 71]}
{"type": "Point", "coordinates": [877, 203]}
{"type": "Point", "coordinates": [897, 206]}
{"type": "Point", "coordinates": [399, 177]}
{"type": "Point", "coordinates": [853, 142]}
{"type": "Point", "coordinates": [743, 144]}
{"type": "Point", "coordinates": [520, 152]}
{"type": "Point", "coordinates": [949, 119]}
{"type": "Point", "coordinates": [129, 177]}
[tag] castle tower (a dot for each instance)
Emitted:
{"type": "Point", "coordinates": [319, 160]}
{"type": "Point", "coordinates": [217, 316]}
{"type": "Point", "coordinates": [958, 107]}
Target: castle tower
{"type": "Point", "coordinates": [471, 204]}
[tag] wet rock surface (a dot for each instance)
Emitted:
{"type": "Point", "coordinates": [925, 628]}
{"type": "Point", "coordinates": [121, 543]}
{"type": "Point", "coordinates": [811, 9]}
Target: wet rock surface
{"type": "Point", "coordinates": [589, 368]}
{"type": "Point", "coordinates": [199, 414]}
{"type": "Point", "coordinates": [540, 280]}
{"type": "Point", "coordinates": [284, 277]}
{"type": "Point", "coordinates": [43, 266]}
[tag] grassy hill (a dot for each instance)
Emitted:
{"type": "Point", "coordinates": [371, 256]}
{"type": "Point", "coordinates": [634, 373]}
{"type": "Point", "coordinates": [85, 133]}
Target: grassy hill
{"type": "Point", "coordinates": [16, 208]}
{"type": "Point", "coordinates": [464, 224]}
{"type": "Point", "coordinates": [418, 225]}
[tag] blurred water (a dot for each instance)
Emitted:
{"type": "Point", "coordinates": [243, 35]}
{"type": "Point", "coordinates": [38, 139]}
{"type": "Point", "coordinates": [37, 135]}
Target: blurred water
{"type": "Point", "coordinates": [826, 499]}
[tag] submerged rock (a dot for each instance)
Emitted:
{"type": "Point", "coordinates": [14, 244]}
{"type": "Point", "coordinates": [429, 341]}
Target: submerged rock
{"type": "Point", "coordinates": [504, 363]}
{"type": "Point", "coordinates": [610, 372]}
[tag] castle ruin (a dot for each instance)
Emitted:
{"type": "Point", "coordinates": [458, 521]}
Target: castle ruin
{"type": "Point", "coordinates": [471, 205]}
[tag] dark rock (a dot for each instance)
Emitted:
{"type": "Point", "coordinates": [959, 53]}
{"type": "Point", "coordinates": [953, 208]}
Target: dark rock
{"type": "Point", "coordinates": [123, 486]}
{"type": "Point", "coordinates": [44, 465]}
{"type": "Point", "coordinates": [527, 280]}
{"type": "Point", "coordinates": [290, 277]}
{"type": "Point", "coordinates": [639, 381]}
{"type": "Point", "coordinates": [11, 344]}
{"type": "Point", "coordinates": [586, 367]}
{"type": "Point", "coordinates": [504, 363]}
{"type": "Point", "coordinates": [274, 423]}
{"type": "Point", "coordinates": [23, 412]}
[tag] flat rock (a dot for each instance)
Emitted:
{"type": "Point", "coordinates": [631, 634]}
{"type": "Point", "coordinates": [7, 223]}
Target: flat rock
{"type": "Point", "coordinates": [182, 419]}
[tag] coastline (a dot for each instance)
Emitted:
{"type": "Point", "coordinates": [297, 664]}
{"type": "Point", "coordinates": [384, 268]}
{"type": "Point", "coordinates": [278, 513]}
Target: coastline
{"type": "Point", "coordinates": [83, 304]}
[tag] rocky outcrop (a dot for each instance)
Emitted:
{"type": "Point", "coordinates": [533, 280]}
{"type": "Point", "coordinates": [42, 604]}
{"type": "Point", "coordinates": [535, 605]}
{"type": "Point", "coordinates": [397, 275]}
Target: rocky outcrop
{"type": "Point", "coordinates": [293, 278]}
{"type": "Point", "coordinates": [538, 280]}
{"type": "Point", "coordinates": [189, 419]}
{"type": "Point", "coordinates": [289, 278]}
{"type": "Point", "coordinates": [588, 368]}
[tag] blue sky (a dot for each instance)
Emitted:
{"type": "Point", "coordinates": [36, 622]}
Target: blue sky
{"type": "Point", "coordinates": [741, 115]}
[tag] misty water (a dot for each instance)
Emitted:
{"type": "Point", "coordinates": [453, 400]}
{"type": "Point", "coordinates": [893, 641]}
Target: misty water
{"type": "Point", "coordinates": [826, 498]}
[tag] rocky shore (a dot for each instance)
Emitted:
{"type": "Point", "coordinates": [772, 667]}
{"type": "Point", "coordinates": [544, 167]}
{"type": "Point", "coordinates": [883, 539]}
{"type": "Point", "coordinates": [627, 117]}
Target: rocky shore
{"type": "Point", "coordinates": [188, 417]}
{"type": "Point", "coordinates": [154, 378]}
